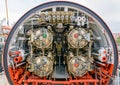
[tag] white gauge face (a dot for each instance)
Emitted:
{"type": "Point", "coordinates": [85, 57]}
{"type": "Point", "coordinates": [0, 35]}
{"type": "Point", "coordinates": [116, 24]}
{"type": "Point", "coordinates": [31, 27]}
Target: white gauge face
{"type": "Point", "coordinates": [77, 38]}
{"type": "Point", "coordinates": [42, 38]}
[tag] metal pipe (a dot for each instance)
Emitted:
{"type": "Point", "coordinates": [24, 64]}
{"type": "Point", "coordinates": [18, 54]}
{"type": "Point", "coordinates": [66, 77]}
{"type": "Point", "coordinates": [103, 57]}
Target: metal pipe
{"type": "Point", "coordinates": [100, 63]}
{"type": "Point", "coordinates": [99, 58]}
{"type": "Point", "coordinates": [19, 72]}
{"type": "Point", "coordinates": [6, 4]}
{"type": "Point", "coordinates": [20, 64]}
{"type": "Point", "coordinates": [19, 59]}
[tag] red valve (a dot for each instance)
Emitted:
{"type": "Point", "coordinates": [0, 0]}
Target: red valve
{"type": "Point", "coordinates": [76, 64]}
{"type": "Point", "coordinates": [76, 35]}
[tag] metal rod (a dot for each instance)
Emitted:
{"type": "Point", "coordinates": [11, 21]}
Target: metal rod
{"type": "Point", "coordinates": [100, 63]}
{"type": "Point", "coordinates": [20, 64]}
{"type": "Point", "coordinates": [89, 52]}
{"type": "Point", "coordinates": [6, 4]}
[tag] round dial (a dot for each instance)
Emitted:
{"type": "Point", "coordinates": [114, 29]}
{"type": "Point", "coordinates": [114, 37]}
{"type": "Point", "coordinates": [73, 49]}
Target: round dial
{"type": "Point", "coordinates": [77, 38]}
{"type": "Point", "coordinates": [43, 38]}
